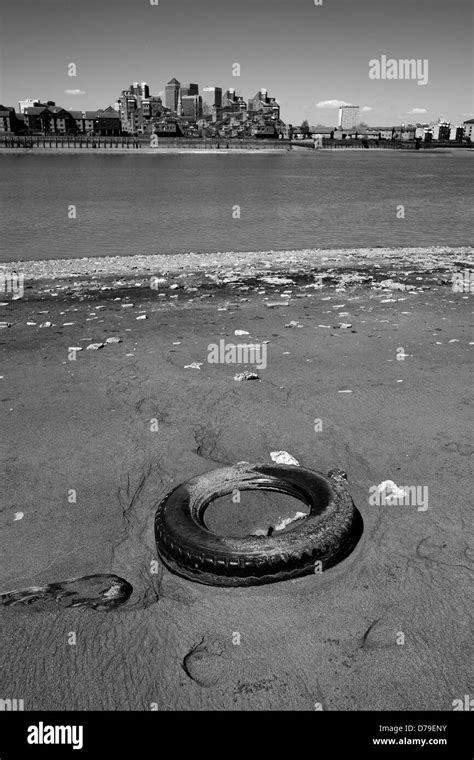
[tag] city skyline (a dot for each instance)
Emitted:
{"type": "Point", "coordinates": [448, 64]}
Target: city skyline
{"type": "Point", "coordinates": [293, 52]}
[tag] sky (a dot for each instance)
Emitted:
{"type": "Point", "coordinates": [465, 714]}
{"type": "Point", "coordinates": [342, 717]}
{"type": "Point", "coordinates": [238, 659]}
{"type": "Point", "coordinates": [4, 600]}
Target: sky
{"type": "Point", "coordinates": [312, 58]}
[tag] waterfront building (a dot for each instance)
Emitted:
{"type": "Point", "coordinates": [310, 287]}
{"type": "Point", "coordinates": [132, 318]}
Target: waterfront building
{"type": "Point", "coordinates": [61, 121]}
{"type": "Point", "coordinates": [152, 107]}
{"type": "Point", "coordinates": [349, 117]}
{"type": "Point", "coordinates": [441, 130]}
{"type": "Point", "coordinates": [456, 134]}
{"type": "Point", "coordinates": [469, 129]}
{"type": "Point", "coordinates": [386, 133]}
{"type": "Point", "coordinates": [261, 103]}
{"type": "Point", "coordinates": [9, 122]}
{"type": "Point", "coordinates": [168, 128]}
{"type": "Point", "coordinates": [130, 105]}
{"type": "Point", "coordinates": [172, 95]}
{"type": "Point", "coordinates": [79, 118]}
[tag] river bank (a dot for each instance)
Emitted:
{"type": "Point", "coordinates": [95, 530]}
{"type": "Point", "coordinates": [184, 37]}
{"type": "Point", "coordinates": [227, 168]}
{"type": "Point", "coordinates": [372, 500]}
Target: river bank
{"type": "Point", "coordinates": [82, 426]}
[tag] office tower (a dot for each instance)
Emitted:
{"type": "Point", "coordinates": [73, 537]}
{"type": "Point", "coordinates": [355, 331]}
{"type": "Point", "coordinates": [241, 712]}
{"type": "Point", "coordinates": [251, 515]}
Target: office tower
{"type": "Point", "coordinates": [191, 107]}
{"type": "Point", "coordinates": [229, 97]}
{"type": "Point", "coordinates": [211, 99]}
{"type": "Point", "coordinates": [348, 117]}
{"type": "Point", "coordinates": [172, 95]}
{"type": "Point", "coordinates": [188, 89]}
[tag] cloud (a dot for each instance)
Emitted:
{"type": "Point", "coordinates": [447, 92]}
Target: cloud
{"type": "Point", "coordinates": [365, 109]}
{"type": "Point", "coordinates": [418, 110]}
{"type": "Point", "coordinates": [75, 92]}
{"type": "Point", "coordinates": [331, 104]}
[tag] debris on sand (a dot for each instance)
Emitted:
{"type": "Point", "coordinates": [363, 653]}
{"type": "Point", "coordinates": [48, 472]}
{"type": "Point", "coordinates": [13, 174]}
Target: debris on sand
{"type": "Point", "coordinates": [142, 316]}
{"type": "Point", "coordinates": [46, 324]}
{"type": "Point", "coordinates": [293, 323]}
{"type": "Point", "coordinates": [284, 522]}
{"type": "Point", "coordinates": [278, 280]}
{"type": "Point", "coordinates": [113, 339]}
{"type": "Point", "coordinates": [94, 346]}
{"type": "Point", "coordinates": [391, 285]}
{"type": "Point", "coordinates": [282, 457]}
{"type": "Point", "coordinates": [389, 489]}
{"type": "Point", "coordinates": [272, 304]}
{"type": "Point", "coordinates": [246, 376]}
{"type": "Point", "coordinates": [241, 332]}
{"type": "Point", "coordinates": [193, 365]}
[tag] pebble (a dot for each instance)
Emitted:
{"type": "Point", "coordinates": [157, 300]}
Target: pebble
{"type": "Point", "coordinates": [246, 376]}
{"type": "Point", "coordinates": [94, 346]}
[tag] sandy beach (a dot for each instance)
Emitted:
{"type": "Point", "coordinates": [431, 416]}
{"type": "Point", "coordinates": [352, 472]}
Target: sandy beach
{"type": "Point", "coordinates": [335, 321]}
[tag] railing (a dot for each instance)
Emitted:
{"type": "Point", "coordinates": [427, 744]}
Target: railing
{"type": "Point", "coordinates": [79, 142]}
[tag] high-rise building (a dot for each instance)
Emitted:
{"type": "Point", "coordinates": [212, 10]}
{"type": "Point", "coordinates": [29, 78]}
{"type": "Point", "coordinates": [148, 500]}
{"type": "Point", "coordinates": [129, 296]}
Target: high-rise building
{"type": "Point", "coordinates": [189, 89]}
{"type": "Point", "coordinates": [255, 103]}
{"type": "Point", "coordinates": [229, 97]}
{"type": "Point", "coordinates": [152, 107]}
{"type": "Point", "coordinates": [191, 107]}
{"type": "Point", "coordinates": [27, 103]}
{"type": "Point", "coordinates": [211, 99]}
{"type": "Point", "coordinates": [139, 90]}
{"type": "Point", "coordinates": [469, 129]}
{"type": "Point", "coordinates": [32, 103]}
{"type": "Point", "coordinates": [172, 94]}
{"type": "Point", "coordinates": [349, 117]}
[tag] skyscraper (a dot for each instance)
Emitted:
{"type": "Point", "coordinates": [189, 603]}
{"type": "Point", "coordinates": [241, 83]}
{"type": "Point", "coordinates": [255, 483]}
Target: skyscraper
{"type": "Point", "coordinates": [211, 99]}
{"type": "Point", "coordinates": [172, 94]}
{"type": "Point", "coordinates": [188, 89]}
{"type": "Point", "coordinates": [348, 117]}
{"type": "Point", "coordinates": [191, 107]}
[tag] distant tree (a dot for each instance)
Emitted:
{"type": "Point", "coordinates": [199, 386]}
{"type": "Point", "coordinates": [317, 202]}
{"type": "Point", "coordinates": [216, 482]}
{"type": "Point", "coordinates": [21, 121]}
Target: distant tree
{"type": "Point", "coordinates": [362, 125]}
{"type": "Point", "coordinates": [305, 127]}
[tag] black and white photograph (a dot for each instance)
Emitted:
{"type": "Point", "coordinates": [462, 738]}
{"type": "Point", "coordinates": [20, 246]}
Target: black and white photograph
{"type": "Point", "coordinates": [237, 279]}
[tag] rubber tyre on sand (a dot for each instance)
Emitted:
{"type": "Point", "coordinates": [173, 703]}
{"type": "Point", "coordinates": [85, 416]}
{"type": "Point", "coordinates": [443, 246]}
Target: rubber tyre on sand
{"type": "Point", "coordinates": [328, 535]}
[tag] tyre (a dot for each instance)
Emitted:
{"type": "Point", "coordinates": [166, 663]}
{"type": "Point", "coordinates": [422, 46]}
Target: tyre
{"type": "Point", "coordinates": [329, 533]}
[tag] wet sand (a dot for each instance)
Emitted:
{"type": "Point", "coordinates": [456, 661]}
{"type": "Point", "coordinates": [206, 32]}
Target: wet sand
{"type": "Point", "coordinates": [83, 425]}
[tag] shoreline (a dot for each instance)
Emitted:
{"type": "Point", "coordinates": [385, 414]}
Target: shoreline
{"type": "Point", "coordinates": [192, 276]}
{"type": "Point", "coordinates": [137, 264]}
{"type": "Point", "coordinates": [221, 151]}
